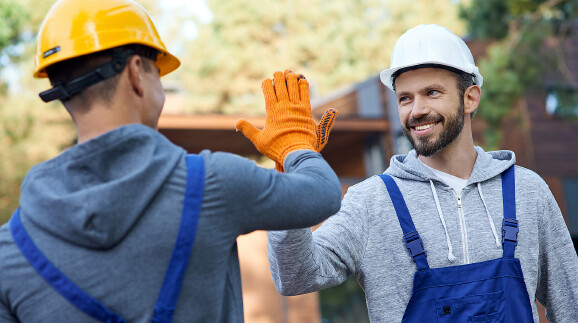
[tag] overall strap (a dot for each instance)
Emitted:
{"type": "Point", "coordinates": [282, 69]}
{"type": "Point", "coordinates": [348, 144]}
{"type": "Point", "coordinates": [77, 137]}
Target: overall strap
{"type": "Point", "coordinates": [412, 239]}
{"type": "Point", "coordinates": [169, 295]}
{"type": "Point", "coordinates": [510, 224]}
{"type": "Point", "coordinates": [56, 278]}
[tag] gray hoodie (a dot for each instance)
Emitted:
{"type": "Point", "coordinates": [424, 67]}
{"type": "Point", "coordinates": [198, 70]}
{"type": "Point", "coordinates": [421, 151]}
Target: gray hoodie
{"type": "Point", "coordinates": [365, 239]}
{"type": "Point", "coordinates": [106, 213]}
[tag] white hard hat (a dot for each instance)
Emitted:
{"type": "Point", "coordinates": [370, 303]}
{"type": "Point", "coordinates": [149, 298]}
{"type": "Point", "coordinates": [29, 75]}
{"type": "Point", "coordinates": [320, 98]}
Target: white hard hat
{"type": "Point", "coordinates": [430, 45]}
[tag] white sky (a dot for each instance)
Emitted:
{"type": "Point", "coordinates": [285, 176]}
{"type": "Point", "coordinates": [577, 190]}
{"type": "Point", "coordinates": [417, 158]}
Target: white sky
{"type": "Point", "coordinates": [186, 8]}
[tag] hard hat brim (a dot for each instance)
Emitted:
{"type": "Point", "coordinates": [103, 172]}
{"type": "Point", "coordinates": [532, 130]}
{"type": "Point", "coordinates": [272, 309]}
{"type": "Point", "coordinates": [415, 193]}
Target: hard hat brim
{"type": "Point", "coordinates": [386, 75]}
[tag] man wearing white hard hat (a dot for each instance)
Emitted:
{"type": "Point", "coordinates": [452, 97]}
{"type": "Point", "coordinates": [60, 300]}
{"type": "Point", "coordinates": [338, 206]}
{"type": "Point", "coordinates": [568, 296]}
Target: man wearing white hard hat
{"type": "Point", "coordinates": [449, 232]}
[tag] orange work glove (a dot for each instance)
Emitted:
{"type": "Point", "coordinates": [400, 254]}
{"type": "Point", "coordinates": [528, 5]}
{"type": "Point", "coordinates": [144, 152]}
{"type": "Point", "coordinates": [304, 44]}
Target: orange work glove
{"type": "Point", "coordinates": [289, 125]}
{"type": "Point", "coordinates": [322, 130]}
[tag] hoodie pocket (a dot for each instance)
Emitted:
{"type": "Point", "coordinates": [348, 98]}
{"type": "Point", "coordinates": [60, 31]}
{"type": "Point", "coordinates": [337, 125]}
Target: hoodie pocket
{"type": "Point", "coordinates": [473, 308]}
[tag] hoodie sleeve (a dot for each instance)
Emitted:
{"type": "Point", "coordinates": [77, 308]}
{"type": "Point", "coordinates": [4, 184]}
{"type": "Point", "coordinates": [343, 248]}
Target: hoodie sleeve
{"type": "Point", "coordinates": [557, 286]}
{"type": "Point", "coordinates": [302, 261]}
{"type": "Point", "coordinates": [256, 198]}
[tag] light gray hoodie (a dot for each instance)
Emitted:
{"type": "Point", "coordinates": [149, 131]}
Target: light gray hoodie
{"type": "Point", "coordinates": [365, 239]}
{"type": "Point", "coordinates": [106, 213]}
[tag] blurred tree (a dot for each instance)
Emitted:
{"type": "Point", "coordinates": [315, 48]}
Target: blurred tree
{"type": "Point", "coordinates": [30, 130]}
{"type": "Point", "coordinates": [12, 18]}
{"type": "Point", "coordinates": [333, 43]}
{"type": "Point", "coordinates": [29, 133]}
{"type": "Point", "coordinates": [19, 20]}
{"type": "Point", "coordinates": [517, 57]}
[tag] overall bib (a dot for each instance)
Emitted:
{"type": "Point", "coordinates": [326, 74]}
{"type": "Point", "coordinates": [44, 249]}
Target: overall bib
{"type": "Point", "coordinates": [169, 293]}
{"type": "Point", "coordinates": [489, 291]}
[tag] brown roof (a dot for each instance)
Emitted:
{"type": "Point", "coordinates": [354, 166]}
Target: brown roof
{"type": "Point", "coordinates": [217, 132]}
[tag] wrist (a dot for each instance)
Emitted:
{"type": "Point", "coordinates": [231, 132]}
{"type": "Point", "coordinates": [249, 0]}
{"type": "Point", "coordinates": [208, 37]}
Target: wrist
{"type": "Point", "coordinates": [293, 148]}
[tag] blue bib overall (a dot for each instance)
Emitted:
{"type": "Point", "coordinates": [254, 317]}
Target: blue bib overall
{"type": "Point", "coordinates": [489, 291]}
{"type": "Point", "coordinates": [169, 293]}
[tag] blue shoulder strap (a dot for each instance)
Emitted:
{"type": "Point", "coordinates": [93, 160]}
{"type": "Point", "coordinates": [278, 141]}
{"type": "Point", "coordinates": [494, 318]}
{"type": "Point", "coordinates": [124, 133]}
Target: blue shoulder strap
{"type": "Point", "coordinates": [412, 239]}
{"type": "Point", "coordinates": [168, 296]}
{"type": "Point", "coordinates": [56, 278]}
{"type": "Point", "coordinates": [510, 224]}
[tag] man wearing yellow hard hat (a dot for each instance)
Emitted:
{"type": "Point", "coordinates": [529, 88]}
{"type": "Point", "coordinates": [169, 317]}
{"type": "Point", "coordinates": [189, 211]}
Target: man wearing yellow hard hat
{"type": "Point", "coordinates": [127, 227]}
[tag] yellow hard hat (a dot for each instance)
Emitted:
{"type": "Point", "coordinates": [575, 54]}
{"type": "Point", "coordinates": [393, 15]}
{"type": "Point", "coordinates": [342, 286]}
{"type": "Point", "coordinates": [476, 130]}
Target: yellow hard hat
{"type": "Point", "coordinates": [73, 28]}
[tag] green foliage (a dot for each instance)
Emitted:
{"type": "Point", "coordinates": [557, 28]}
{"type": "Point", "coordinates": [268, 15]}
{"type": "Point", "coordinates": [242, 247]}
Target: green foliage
{"type": "Point", "coordinates": [486, 18]}
{"type": "Point", "coordinates": [12, 19]}
{"type": "Point", "coordinates": [493, 19]}
{"type": "Point", "coordinates": [30, 130]}
{"type": "Point", "coordinates": [517, 59]}
{"type": "Point", "coordinates": [19, 20]}
{"type": "Point", "coordinates": [333, 43]}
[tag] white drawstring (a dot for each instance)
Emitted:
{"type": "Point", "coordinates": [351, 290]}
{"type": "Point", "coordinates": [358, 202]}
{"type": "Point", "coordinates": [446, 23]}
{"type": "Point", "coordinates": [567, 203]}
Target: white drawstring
{"type": "Point", "coordinates": [498, 244]}
{"type": "Point", "coordinates": [451, 256]}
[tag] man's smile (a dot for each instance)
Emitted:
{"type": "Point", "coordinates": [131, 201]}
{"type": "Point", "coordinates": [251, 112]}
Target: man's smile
{"type": "Point", "coordinates": [421, 129]}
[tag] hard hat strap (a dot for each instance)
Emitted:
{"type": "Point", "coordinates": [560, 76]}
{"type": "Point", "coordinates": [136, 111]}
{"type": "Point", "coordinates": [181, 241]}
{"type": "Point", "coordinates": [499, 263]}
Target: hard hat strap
{"type": "Point", "coordinates": [65, 90]}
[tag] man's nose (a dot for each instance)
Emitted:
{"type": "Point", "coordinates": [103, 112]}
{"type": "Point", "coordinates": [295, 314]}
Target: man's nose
{"type": "Point", "coordinates": [420, 107]}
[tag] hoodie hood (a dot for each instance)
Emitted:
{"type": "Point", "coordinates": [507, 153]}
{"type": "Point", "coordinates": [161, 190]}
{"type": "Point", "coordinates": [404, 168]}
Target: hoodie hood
{"type": "Point", "coordinates": [488, 165]}
{"type": "Point", "coordinates": [92, 194]}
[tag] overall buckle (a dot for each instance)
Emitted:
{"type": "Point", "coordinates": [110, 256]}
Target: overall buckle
{"type": "Point", "coordinates": [414, 244]}
{"type": "Point", "coordinates": [510, 230]}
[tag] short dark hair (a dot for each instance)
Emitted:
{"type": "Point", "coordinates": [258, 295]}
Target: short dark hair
{"type": "Point", "coordinates": [464, 81]}
{"type": "Point", "coordinates": [73, 68]}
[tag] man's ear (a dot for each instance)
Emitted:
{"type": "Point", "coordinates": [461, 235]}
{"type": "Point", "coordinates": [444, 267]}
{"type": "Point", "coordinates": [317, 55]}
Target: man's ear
{"type": "Point", "coordinates": [134, 68]}
{"type": "Point", "coordinates": [472, 97]}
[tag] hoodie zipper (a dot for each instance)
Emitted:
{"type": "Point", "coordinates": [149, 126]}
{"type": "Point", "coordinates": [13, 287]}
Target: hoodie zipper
{"type": "Point", "coordinates": [463, 229]}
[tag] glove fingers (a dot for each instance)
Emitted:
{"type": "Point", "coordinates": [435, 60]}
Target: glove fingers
{"type": "Point", "coordinates": [324, 128]}
{"type": "Point", "coordinates": [280, 86]}
{"type": "Point", "coordinates": [247, 129]}
{"type": "Point", "coordinates": [303, 89]}
{"type": "Point", "coordinates": [292, 86]}
{"type": "Point", "coordinates": [268, 92]}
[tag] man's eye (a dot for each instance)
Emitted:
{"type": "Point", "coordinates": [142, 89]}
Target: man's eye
{"type": "Point", "coordinates": [433, 92]}
{"type": "Point", "coordinates": [403, 99]}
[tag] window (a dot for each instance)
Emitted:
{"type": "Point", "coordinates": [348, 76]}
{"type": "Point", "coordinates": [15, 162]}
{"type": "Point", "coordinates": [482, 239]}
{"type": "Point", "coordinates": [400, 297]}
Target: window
{"type": "Point", "coordinates": [562, 101]}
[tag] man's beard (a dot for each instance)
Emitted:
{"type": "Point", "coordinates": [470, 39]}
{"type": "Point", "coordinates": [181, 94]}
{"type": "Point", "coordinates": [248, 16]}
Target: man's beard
{"type": "Point", "coordinates": [453, 127]}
